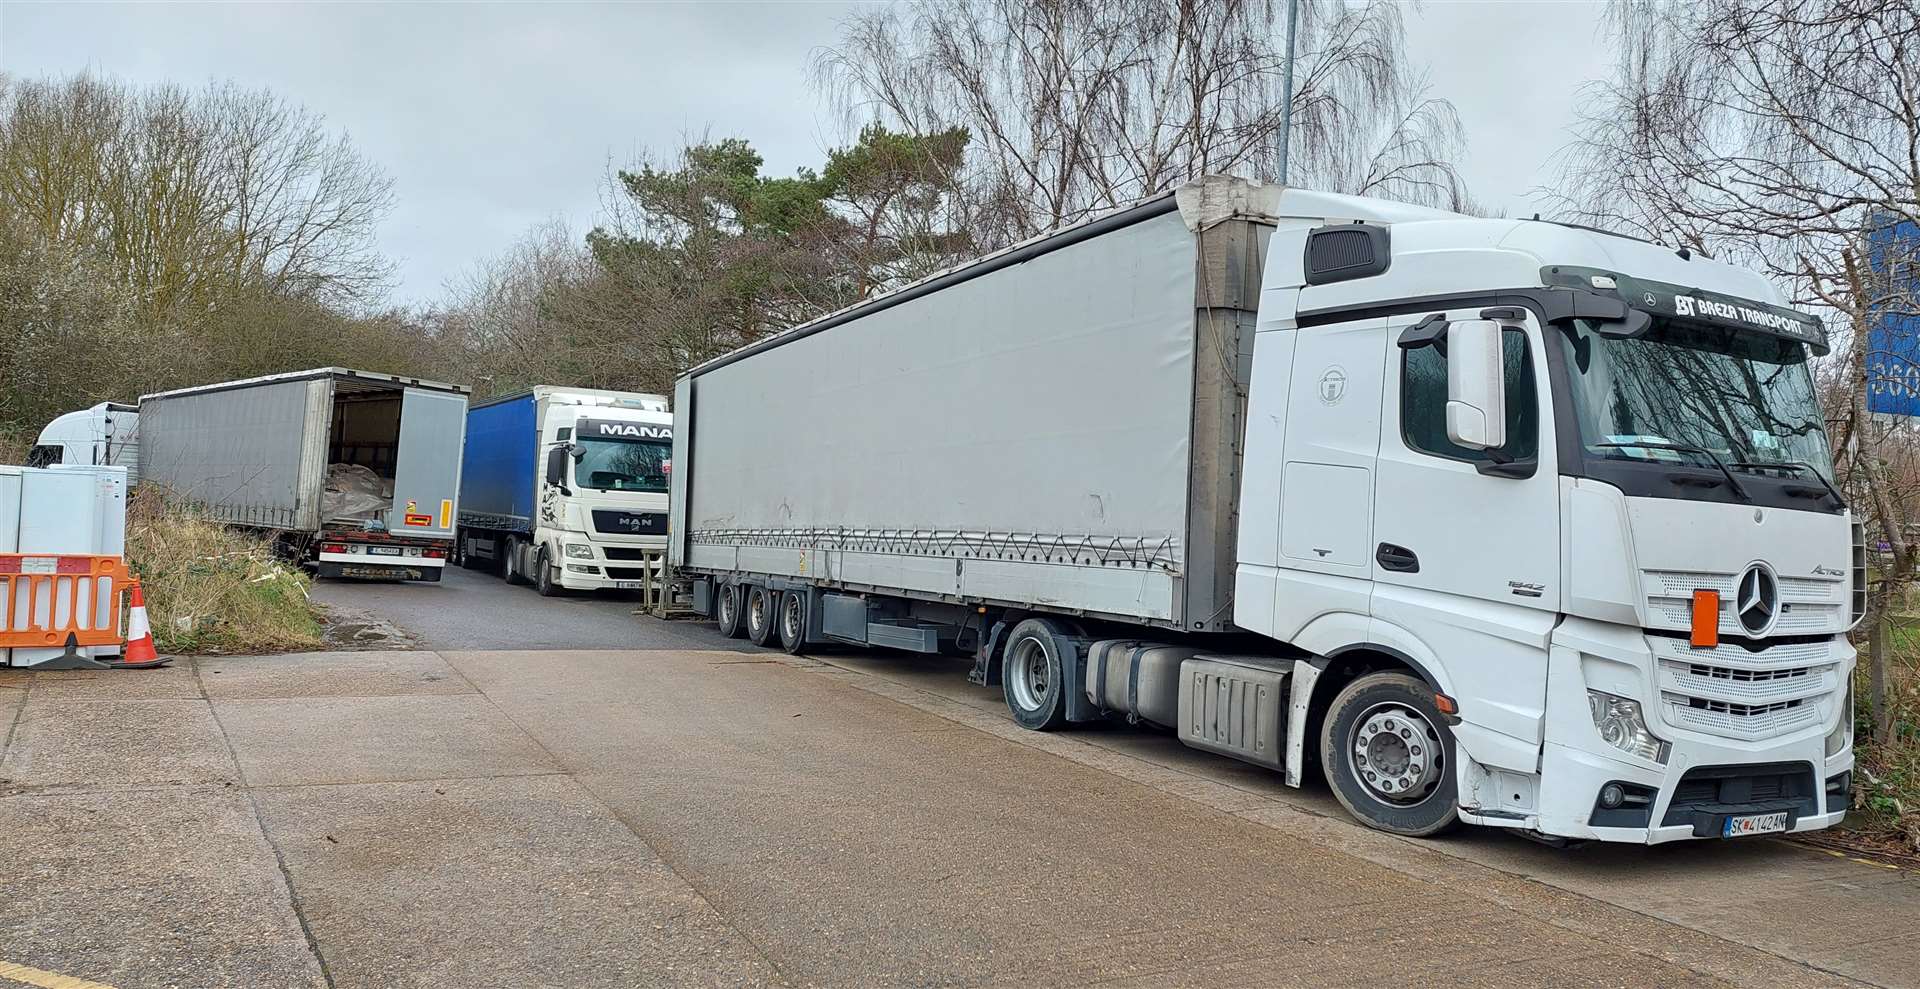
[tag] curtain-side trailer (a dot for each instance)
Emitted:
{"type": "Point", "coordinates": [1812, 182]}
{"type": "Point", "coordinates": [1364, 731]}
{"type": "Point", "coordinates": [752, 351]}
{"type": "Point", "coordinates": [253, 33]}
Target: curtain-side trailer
{"type": "Point", "coordinates": [1497, 521]}
{"type": "Point", "coordinates": [356, 473]}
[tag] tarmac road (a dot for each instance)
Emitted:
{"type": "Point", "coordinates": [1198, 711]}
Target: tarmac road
{"type": "Point", "coordinates": [470, 610]}
{"type": "Point", "coordinates": [659, 815]}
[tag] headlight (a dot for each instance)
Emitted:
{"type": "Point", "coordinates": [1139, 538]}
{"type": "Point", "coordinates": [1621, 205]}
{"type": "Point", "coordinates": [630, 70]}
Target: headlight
{"type": "Point", "coordinates": [579, 551]}
{"type": "Point", "coordinates": [1622, 726]}
{"type": "Point", "coordinates": [1842, 734]}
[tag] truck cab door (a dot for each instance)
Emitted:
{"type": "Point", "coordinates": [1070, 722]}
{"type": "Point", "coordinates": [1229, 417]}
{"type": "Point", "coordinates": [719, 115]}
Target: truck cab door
{"type": "Point", "coordinates": [426, 479]}
{"type": "Point", "coordinates": [1325, 562]}
{"type": "Point", "coordinates": [1467, 549]}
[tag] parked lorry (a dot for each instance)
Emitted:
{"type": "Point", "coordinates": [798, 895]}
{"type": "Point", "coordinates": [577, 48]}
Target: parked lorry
{"type": "Point", "coordinates": [566, 488]}
{"type": "Point", "coordinates": [356, 474]}
{"type": "Point", "coordinates": [1493, 521]}
{"type": "Point", "coordinates": [106, 435]}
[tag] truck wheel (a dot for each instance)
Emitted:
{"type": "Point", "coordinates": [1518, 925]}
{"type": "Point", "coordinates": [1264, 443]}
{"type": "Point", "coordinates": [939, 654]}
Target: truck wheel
{"type": "Point", "coordinates": [1388, 755]}
{"type": "Point", "coordinates": [510, 567]}
{"type": "Point", "coordinates": [760, 615]}
{"type": "Point", "coordinates": [1032, 677]}
{"type": "Point", "coordinates": [543, 576]}
{"type": "Point", "coordinates": [793, 622]}
{"type": "Point", "coordinates": [726, 610]}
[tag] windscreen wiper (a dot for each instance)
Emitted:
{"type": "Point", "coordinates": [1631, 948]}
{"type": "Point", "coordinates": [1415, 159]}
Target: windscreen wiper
{"type": "Point", "coordinates": [1733, 483]}
{"type": "Point", "coordinates": [1838, 499]}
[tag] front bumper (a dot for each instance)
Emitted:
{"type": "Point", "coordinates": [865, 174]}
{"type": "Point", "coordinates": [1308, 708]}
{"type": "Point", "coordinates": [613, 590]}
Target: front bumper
{"type": "Point", "coordinates": [1571, 781]}
{"type": "Point", "coordinates": [1706, 778]}
{"type": "Point", "coordinates": [602, 572]}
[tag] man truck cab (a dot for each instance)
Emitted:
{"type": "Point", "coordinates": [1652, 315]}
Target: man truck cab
{"type": "Point", "coordinates": [566, 488]}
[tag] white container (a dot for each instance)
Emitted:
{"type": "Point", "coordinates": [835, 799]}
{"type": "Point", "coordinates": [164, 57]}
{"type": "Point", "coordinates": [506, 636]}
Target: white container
{"type": "Point", "coordinates": [73, 509]}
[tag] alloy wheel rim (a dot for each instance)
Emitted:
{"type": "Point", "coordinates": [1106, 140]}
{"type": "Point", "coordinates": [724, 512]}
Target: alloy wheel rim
{"type": "Point", "coordinates": [1395, 754]}
{"type": "Point", "coordinates": [1030, 674]}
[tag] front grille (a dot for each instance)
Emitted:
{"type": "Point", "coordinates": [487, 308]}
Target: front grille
{"type": "Point", "coordinates": [1747, 676]}
{"type": "Point", "coordinates": [629, 573]}
{"type": "Point", "coordinates": [1740, 710]}
{"type": "Point", "coordinates": [1740, 789]}
{"type": "Point", "coordinates": [1751, 695]}
{"type": "Point", "coordinates": [630, 523]}
{"type": "Point", "coordinates": [628, 553]}
{"type": "Point", "coordinates": [1808, 604]}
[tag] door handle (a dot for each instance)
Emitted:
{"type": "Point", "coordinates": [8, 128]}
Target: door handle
{"type": "Point", "coordinates": [1397, 558]}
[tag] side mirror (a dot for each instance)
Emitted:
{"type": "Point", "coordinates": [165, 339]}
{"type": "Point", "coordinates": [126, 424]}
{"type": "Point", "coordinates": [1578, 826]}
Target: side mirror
{"type": "Point", "coordinates": [1476, 385]}
{"type": "Point", "coordinates": [557, 466]}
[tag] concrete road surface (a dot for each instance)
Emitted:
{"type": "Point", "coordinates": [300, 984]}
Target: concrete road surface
{"type": "Point", "coordinates": [701, 817]}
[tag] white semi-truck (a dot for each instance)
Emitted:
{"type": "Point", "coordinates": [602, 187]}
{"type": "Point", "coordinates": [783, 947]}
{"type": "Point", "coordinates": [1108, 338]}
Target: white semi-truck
{"type": "Point", "coordinates": [1493, 521]}
{"type": "Point", "coordinates": [107, 434]}
{"type": "Point", "coordinates": [566, 488]}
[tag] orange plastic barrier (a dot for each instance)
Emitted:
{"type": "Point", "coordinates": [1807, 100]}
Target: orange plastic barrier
{"type": "Point", "coordinates": [46, 597]}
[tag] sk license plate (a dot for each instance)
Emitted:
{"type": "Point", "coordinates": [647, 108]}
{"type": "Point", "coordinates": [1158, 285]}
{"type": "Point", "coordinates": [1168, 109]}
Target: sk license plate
{"type": "Point", "coordinates": [384, 550]}
{"type": "Point", "coordinates": [628, 585]}
{"type": "Point", "coordinates": [1738, 827]}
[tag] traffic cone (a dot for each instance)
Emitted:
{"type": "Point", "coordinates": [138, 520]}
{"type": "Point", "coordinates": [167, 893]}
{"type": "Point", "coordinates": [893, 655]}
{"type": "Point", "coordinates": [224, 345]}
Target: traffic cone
{"type": "Point", "coordinates": [139, 653]}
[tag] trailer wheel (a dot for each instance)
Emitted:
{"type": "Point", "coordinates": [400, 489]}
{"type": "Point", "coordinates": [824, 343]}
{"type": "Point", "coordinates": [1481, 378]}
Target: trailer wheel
{"type": "Point", "coordinates": [793, 622]}
{"type": "Point", "coordinates": [726, 610]}
{"type": "Point", "coordinates": [543, 576]}
{"type": "Point", "coordinates": [1388, 755]}
{"type": "Point", "coordinates": [510, 569]}
{"type": "Point", "coordinates": [761, 605]}
{"type": "Point", "coordinates": [1032, 676]}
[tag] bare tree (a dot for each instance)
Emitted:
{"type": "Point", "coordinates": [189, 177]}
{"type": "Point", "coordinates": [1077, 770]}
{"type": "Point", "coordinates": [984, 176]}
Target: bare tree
{"type": "Point", "coordinates": [1079, 105]}
{"type": "Point", "coordinates": [1782, 134]}
{"type": "Point", "coordinates": [194, 192]}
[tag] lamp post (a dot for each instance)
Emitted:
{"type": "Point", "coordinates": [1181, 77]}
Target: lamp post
{"type": "Point", "coordinates": [1286, 95]}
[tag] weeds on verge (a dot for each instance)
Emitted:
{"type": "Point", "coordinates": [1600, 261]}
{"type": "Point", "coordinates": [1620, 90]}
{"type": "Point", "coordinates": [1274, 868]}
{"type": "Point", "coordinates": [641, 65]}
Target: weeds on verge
{"type": "Point", "coordinates": [214, 588]}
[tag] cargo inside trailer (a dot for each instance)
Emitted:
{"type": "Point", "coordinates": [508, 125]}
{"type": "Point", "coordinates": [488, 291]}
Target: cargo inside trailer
{"type": "Point", "coordinates": [363, 444]}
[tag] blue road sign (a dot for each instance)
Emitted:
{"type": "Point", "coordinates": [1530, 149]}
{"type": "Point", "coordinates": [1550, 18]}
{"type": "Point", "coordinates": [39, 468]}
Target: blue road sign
{"type": "Point", "coordinates": [1893, 336]}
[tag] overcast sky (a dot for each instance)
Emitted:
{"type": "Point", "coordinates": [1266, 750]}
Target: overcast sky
{"type": "Point", "coordinates": [493, 117]}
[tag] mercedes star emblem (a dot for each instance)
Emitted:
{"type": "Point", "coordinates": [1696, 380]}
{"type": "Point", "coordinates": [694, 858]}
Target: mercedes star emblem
{"type": "Point", "coordinates": [1757, 599]}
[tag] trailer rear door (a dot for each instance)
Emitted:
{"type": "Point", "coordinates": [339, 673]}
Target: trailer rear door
{"type": "Point", "coordinates": [426, 480]}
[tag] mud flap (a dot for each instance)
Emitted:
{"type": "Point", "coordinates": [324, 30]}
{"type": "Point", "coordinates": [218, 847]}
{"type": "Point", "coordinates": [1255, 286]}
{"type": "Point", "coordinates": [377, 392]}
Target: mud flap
{"type": "Point", "coordinates": [1306, 672]}
{"type": "Point", "coordinates": [1073, 662]}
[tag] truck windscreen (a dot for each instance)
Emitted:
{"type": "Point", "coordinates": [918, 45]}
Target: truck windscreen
{"type": "Point", "coordinates": [1745, 397]}
{"type": "Point", "coordinates": [622, 465]}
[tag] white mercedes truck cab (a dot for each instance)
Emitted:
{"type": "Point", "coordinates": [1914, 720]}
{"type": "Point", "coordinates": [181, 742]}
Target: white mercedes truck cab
{"type": "Point", "coordinates": [1503, 522]}
{"type": "Point", "coordinates": [1580, 479]}
{"type": "Point", "coordinates": [566, 488]}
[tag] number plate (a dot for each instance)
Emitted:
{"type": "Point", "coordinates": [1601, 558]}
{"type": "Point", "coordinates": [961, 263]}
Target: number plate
{"type": "Point", "coordinates": [629, 585]}
{"type": "Point", "coordinates": [1746, 824]}
{"type": "Point", "coordinates": [384, 550]}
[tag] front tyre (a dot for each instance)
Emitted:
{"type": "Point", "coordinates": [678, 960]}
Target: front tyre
{"type": "Point", "coordinates": [543, 576]}
{"type": "Point", "coordinates": [1032, 675]}
{"type": "Point", "coordinates": [1389, 756]}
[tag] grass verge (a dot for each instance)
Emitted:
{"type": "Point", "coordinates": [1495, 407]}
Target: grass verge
{"type": "Point", "coordinates": [1886, 790]}
{"type": "Point", "coordinates": [211, 588]}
